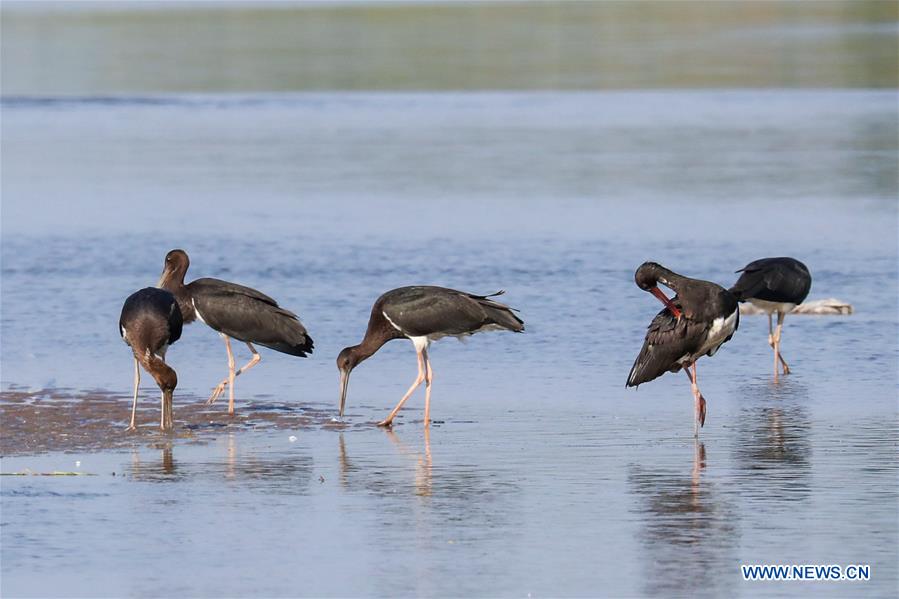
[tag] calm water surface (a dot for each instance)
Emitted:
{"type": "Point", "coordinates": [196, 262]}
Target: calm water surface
{"type": "Point", "coordinates": [544, 475]}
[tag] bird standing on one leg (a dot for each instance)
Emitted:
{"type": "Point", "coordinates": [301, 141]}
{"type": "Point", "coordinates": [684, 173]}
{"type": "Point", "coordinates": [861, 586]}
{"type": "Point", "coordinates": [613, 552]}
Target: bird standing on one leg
{"type": "Point", "coordinates": [774, 285]}
{"type": "Point", "coordinates": [150, 322]}
{"type": "Point", "coordinates": [235, 312]}
{"type": "Point", "coordinates": [694, 323]}
{"type": "Point", "coordinates": [422, 315]}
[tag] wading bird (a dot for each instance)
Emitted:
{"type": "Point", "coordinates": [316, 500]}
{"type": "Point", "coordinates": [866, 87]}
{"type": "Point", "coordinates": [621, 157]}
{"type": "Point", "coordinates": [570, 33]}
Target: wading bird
{"type": "Point", "coordinates": [774, 285]}
{"type": "Point", "coordinates": [694, 323]}
{"type": "Point", "coordinates": [423, 315]}
{"type": "Point", "coordinates": [235, 312]}
{"type": "Point", "coordinates": [150, 322]}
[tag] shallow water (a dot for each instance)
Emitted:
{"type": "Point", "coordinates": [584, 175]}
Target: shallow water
{"type": "Point", "coordinates": [543, 475]}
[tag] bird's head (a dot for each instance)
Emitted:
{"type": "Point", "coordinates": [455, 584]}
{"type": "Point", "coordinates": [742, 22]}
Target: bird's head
{"type": "Point", "coordinates": [347, 360]}
{"type": "Point", "coordinates": [167, 380]}
{"type": "Point", "coordinates": [648, 277]}
{"type": "Point", "coordinates": [649, 274]}
{"type": "Point", "coordinates": [174, 268]}
{"type": "Point", "coordinates": [164, 376]}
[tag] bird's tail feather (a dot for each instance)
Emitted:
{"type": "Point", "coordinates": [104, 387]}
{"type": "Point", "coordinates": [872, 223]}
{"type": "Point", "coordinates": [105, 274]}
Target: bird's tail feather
{"type": "Point", "coordinates": [294, 340]}
{"type": "Point", "coordinates": [501, 314]}
{"type": "Point", "coordinates": [300, 348]}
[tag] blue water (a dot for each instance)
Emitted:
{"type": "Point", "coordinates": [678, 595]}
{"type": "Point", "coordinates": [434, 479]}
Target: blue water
{"type": "Point", "coordinates": [545, 475]}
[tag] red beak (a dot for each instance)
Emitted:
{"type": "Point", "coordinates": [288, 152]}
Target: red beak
{"type": "Point", "coordinates": [664, 299]}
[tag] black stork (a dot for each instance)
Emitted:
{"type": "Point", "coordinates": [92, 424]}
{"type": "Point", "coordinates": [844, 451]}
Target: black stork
{"type": "Point", "coordinates": [423, 314]}
{"type": "Point", "coordinates": [150, 322]}
{"type": "Point", "coordinates": [774, 285]}
{"type": "Point", "coordinates": [700, 318]}
{"type": "Point", "coordinates": [235, 312]}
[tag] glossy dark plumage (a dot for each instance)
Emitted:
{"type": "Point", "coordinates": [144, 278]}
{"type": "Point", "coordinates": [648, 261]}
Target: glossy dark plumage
{"type": "Point", "coordinates": [249, 315]}
{"type": "Point", "coordinates": [669, 343]}
{"type": "Point", "coordinates": [774, 285]}
{"type": "Point", "coordinates": [240, 312]}
{"type": "Point", "coordinates": [423, 314]}
{"type": "Point", "coordinates": [236, 312]}
{"type": "Point", "coordinates": [426, 311]}
{"type": "Point", "coordinates": [778, 280]}
{"type": "Point", "coordinates": [152, 318]}
{"type": "Point", "coordinates": [151, 321]}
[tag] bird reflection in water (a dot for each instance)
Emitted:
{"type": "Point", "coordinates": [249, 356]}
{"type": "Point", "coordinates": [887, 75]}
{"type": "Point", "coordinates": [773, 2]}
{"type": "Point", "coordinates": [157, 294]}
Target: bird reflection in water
{"type": "Point", "coordinates": [231, 458]}
{"type": "Point", "coordinates": [344, 464]}
{"type": "Point", "coordinates": [269, 471]}
{"type": "Point", "coordinates": [772, 442]}
{"type": "Point", "coordinates": [424, 465]}
{"type": "Point", "coordinates": [409, 477]}
{"type": "Point", "coordinates": [349, 472]}
{"type": "Point", "coordinates": [165, 469]}
{"type": "Point", "coordinates": [688, 530]}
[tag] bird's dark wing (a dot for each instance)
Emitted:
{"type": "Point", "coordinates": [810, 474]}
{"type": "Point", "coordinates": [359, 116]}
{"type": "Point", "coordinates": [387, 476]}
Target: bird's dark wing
{"type": "Point", "coordinates": [667, 341]}
{"type": "Point", "coordinates": [248, 315]}
{"type": "Point", "coordinates": [420, 311]}
{"type": "Point", "coordinates": [773, 280]}
{"type": "Point", "coordinates": [210, 285]}
{"type": "Point", "coordinates": [176, 321]}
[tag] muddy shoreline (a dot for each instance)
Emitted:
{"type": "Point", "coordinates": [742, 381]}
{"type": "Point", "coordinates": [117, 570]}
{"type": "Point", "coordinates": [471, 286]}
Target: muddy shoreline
{"type": "Point", "coordinates": [54, 420]}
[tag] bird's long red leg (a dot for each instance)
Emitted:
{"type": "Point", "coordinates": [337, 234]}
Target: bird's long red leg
{"type": "Point", "coordinates": [699, 400]}
{"type": "Point", "coordinates": [421, 376]}
{"type": "Point", "coordinates": [253, 361]}
{"type": "Point", "coordinates": [164, 423]}
{"type": "Point", "coordinates": [221, 386]}
{"type": "Point", "coordinates": [770, 332]}
{"type": "Point", "coordinates": [772, 341]}
{"type": "Point", "coordinates": [229, 382]}
{"type": "Point", "coordinates": [230, 378]}
{"type": "Point", "coordinates": [132, 426]}
{"type": "Point", "coordinates": [777, 354]}
{"type": "Point", "coordinates": [429, 376]}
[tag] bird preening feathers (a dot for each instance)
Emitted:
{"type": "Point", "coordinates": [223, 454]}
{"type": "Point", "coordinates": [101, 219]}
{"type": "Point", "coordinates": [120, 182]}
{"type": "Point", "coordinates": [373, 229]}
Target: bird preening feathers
{"type": "Point", "coordinates": [700, 318]}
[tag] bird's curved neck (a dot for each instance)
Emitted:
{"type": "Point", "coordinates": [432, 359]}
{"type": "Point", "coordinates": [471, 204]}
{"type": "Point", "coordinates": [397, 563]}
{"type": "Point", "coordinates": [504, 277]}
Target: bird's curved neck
{"type": "Point", "coordinates": [161, 372]}
{"type": "Point", "coordinates": [173, 281]}
{"type": "Point", "coordinates": [370, 344]}
{"type": "Point", "coordinates": [669, 278]}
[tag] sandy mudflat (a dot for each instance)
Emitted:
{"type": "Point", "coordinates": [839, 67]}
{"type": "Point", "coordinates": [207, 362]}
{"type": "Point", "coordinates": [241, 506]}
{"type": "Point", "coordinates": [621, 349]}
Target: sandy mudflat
{"type": "Point", "coordinates": [64, 420]}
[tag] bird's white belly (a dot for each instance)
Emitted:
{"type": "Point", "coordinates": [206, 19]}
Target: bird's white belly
{"type": "Point", "coordinates": [420, 343]}
{"type": "Point", "coordinates": [721, 329]}
{"type": "Point", "coordinates": [423, 341]}
{"type": "Point", "coordinates": [772, 307]}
